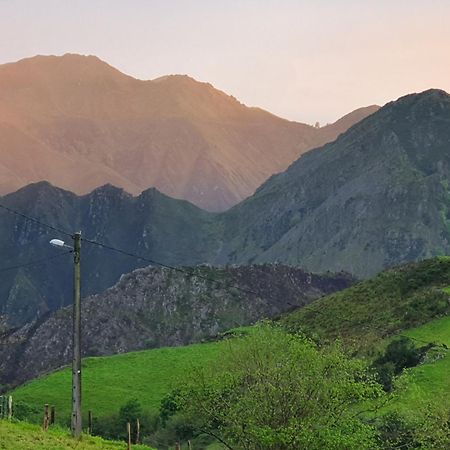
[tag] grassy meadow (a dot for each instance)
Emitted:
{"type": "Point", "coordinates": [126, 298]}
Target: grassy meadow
{"type": "Point", "coordinates": [109, 382]}
{"type": "Point", "coordinates": [25, 436]}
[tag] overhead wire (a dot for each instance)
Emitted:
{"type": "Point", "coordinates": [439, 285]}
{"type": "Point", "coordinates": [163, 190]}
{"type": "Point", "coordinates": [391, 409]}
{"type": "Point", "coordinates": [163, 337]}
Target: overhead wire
{"type": "Point", "coordinates": [187, 272]}
{"type": "Point", "coordinates": [37, 261]}
{"type": "Point", "coordinates": [32, 219]}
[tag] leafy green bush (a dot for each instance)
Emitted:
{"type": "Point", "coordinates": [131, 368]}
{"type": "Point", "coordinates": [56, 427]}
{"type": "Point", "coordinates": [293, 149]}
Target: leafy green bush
{"type": "Point", "coordinates": [277, 391]}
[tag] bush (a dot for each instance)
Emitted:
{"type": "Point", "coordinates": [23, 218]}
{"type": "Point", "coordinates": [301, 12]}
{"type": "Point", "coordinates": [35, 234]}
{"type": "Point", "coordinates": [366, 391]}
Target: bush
{"type": "Point", "coordinates": [276, 391]}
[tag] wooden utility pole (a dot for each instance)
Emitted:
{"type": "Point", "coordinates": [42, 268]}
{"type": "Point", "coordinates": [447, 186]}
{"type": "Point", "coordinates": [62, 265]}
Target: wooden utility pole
{"type": "Point", "coordinates": [76, 361]}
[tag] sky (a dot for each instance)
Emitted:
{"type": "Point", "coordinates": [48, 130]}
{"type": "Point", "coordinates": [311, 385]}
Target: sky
{"type": "Point", "coordinates": [307, 61]}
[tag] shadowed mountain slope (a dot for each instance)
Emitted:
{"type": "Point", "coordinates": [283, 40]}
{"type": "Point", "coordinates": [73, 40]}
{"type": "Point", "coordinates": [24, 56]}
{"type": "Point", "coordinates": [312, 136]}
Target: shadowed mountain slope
{"type": "Point", "coordinates": [377, 196]}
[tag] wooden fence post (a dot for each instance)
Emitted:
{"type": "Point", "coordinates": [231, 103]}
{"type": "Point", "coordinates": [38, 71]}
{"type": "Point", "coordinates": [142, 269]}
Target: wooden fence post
{"type": "Point", "coordinates": [46, 418]}
{"type": "Point", "coordinates": [129, 435]}
{"type": "Point", "coordinates": [52, 415]}
{"type": "Point", "coordinates": [177, 446]}
{"type": "Point", "coordinates": [10, 407]}
{"type": "Point", "coordinates": [189, 445]}
{"type": "Point", "coordinates": [90, 422]}
{"type": "Point", "coordinates": [138, 431]}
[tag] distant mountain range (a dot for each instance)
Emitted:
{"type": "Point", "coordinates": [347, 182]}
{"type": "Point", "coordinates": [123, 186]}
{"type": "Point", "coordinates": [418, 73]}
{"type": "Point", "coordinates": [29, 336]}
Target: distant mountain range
{"type": "Point", "coordinates": [156, 307]}
{"type": "Point", "coordinates": [79, 123]}
{"type": "Point", "coordinates": [377, 196]}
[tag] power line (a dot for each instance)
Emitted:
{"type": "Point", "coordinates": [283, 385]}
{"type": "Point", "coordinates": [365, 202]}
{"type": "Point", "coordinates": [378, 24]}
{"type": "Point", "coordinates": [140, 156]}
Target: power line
{"type": "Point", "coordinates": [32, 219]}
{"type": "Point", "coordinates": [187, 272]}
{"type": "Point", "coordinates": [37, 261]}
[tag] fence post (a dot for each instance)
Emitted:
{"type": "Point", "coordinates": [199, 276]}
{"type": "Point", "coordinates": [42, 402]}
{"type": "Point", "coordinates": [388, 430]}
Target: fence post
{"type": "Point", "coordinates": [89, 422]}
{"type": "Point", "coordinates": [46, 418]}
{"type": "Point", "coordinates": [52, 415]}
{"type": "Point", "coordinates": [1, 406]}
{"type": "Point", "coordinates": [10, 407]}
{"type": "Point", "coordinates": [138, 431]}
{"type": "Point", "coordinates": [129, 435]}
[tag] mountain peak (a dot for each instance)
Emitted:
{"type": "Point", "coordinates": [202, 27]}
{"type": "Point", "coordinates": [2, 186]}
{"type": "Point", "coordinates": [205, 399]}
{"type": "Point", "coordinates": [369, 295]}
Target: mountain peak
{"type": "Point", "coordinates": [182, 136]}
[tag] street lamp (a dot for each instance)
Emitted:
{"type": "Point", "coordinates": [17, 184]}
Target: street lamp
{"type": "Point", "coordinates": [76, 339]}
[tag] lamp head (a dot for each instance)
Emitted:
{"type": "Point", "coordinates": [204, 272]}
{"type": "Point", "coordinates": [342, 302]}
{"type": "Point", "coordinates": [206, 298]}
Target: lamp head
{"type": "Point", "coordinates": [58, 243]}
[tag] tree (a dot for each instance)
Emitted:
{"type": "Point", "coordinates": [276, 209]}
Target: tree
{"type": "Point", "coordinates": [273, 390]}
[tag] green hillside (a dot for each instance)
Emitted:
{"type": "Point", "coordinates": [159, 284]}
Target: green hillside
{"type": "Point", "coordinates": [429, 381]}
{"type": "Point", "coordinates": [395, 302]}
{"type": "Point", "coordinates": [24, 436]}
{"type": "Point", "coordinates": [410, 301]}
{"type": "Point", "coordinates": [109, 382]}
{"type": "Point", "coordinates": [365, 314]}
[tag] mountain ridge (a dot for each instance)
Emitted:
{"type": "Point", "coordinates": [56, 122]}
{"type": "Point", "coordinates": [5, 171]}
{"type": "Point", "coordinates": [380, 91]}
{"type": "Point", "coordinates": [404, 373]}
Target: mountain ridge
{"type": "Point", "coordinates": [87, 124]}
{"type": "Point", "coordinates": [376, 197]}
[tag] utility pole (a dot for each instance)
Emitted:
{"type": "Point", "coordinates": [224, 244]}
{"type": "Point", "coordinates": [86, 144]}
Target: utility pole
{"type": "Point", "coordinates": [76, 361]}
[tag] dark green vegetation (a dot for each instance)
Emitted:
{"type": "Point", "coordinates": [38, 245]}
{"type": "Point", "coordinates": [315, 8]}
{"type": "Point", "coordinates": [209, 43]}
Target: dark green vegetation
{"type": "Point", "coordinates": [377, 196]}
{"type": "Point", "coordinates": [24, 436]}
{"type": "Point", "coordinates": [154, 307]}
{"type": "Point", "coordinates": [395, 300]}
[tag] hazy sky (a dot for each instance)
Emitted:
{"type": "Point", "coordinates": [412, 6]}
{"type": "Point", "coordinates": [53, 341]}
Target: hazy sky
{"type": "Point", "coordinates": [303, 60]}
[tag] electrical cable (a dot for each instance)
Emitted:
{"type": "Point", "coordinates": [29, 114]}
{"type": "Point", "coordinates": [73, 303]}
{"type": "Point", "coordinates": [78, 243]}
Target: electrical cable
{"type": "Point", "coordinates": [37, 261]}
{"type": "Point", "coordinates": [32, 219]}
{"type": "Point", "coordinates": [189, 273]}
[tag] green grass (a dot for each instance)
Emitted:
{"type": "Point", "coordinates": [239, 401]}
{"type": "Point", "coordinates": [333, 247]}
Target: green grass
{"type": "Point", "coordinates": [24, 436]}
{"type": "Point", "coordinates": [430, 381]}
{"type": "Point", "coordinates": [109, 382]}
{"type": "Point", "coordinates": [370, 311]}
{"type": "Point", "coordinates": [437, 331]}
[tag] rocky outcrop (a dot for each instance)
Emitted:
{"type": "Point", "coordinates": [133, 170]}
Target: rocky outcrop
{"type": "Point", "coordinates": [154, 307]}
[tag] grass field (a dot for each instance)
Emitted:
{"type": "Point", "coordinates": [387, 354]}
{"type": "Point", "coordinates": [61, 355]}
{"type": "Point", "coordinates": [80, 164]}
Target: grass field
{"type": "Point", "coordinates": [429, 382]}
{"type": "Point", "coordinates": [24, 436]}
{"type": "Point", "coordinates": [109, 382]}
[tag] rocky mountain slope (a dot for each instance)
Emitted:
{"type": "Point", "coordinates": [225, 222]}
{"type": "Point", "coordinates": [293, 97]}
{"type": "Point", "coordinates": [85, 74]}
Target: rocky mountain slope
{"type": "Point", "coordinates": [79, 123]}
{"type": "Point", "coordinates": [377, 196]}
{"type": "Point", "coordinates": [153, 307]}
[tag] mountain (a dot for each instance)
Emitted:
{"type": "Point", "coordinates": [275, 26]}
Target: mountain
{"type": "Point", "coordinates": [377, 196]}
{"type": "Point", "coordinates": [79, 123]}
{"type": "Point", "coordinates": [152, 224]}
{"type": "Point", "coordinates": [160, 307]}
